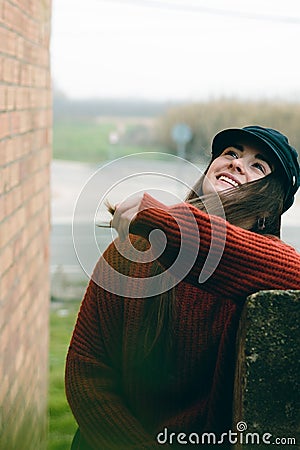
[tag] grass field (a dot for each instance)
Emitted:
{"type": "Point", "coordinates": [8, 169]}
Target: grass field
{"type": "Point", "coordinates": [81, 140]}
{"type": "Point", "coordinates": [88, 141]}
{"type": "Point", "coordinates": [62, 425]}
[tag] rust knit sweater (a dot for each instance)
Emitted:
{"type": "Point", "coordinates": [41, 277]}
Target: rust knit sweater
{"type": "Point", "coordinates": [117, 404]}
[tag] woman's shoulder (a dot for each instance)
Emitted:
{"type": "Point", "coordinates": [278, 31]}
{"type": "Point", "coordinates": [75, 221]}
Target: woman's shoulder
{"type": "Point", "coordinates": [278, 242]}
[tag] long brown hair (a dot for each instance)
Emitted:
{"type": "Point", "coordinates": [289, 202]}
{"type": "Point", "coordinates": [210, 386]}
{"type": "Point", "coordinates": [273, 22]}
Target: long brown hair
{"type": "Point", "coordinates": [256, 206]}
{"type": "Point", "coordinates": [248, 205]}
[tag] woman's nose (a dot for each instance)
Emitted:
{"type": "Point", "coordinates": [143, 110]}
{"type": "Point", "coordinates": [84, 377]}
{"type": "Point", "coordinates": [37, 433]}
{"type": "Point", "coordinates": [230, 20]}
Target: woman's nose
{"type": "Point", "coordinates": [238, 165]}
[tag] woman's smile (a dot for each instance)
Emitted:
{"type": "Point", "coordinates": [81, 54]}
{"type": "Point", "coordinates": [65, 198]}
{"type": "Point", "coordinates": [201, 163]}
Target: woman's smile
{"type": "Point", "coordinates": [228, 179]}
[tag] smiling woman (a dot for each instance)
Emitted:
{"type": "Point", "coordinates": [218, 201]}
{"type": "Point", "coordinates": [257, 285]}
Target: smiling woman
{"type": "Point", "coordinates": [143, 360]}
{"type": "Point", "coordinates": [237, 164]}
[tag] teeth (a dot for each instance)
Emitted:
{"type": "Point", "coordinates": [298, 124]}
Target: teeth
{"type": "Point", "coordinates": [229, 180]}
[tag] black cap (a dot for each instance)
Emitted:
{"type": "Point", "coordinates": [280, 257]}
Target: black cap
{"type": "Point", "coordinates": [270, 140]}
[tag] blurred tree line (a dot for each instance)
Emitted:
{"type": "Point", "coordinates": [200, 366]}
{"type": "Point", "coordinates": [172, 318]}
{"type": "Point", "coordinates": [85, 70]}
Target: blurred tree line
{"type": "Point", "coordinates": [148, 124]}
{"type": "Point", "coordinates": [207, 118]}
{"type": "Point", "coordinates": [87, 108]}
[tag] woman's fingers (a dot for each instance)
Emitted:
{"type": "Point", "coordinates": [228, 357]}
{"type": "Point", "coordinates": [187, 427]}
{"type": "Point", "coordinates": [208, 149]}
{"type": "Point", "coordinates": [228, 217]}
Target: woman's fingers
{"type": "Point", "coordinates": [124, 213]}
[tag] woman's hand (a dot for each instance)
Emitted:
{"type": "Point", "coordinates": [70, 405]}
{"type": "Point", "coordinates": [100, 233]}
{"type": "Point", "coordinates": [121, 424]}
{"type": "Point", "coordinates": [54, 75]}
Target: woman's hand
{"type": "Point", "coordinates": [124, 213]}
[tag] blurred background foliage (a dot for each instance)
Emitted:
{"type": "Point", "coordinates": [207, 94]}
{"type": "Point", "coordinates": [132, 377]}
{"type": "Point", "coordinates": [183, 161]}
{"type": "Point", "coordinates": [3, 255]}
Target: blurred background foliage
{"type": "Point", "coordinates": [206, 119]}
{"type": "Point", "coordinates": [99, 130]}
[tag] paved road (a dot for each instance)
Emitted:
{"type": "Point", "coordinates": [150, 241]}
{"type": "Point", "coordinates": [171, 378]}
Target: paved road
{"type": "Point", "coordinates": [67, 182]}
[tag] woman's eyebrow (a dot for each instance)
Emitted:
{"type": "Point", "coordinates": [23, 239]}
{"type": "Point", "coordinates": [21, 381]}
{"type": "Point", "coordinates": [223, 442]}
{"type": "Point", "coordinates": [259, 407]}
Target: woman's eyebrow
{"type": "Point", "coordinates": [263, 158]}
{"type": "Point", "coordinates": [238, 147]}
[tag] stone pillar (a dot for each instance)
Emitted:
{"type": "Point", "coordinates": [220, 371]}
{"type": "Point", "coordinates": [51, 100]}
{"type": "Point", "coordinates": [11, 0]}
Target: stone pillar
{"type": "Point", "coordinates": [267, 385]}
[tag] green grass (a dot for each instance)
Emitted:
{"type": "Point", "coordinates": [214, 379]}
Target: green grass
{"type": "Point", "coordinates": [62, 425]}
{"type": "Point", "coordinates": [81, 140]}
{"type": "Point", "coordinates": [88, 141]}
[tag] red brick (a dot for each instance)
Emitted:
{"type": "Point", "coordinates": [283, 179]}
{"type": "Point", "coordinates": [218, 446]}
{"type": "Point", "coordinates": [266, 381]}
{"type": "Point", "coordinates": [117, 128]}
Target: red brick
{"type": "Point", "coordinates": [16, 70]}
{"type": "Point", "coordinates": [35, 9]}
{"type": "Point", "coordinates": [19, 220]}
{"type": "Point", "coordinates": [4, 125]}
{"type": "Point", "coordinates": [14, 174]}
{"type": "Point", "coordinates": [4, 180]}
{"type": "Point", "coordinates": [11, 70]}
{"type": "Point", "coordinates": [27, 144]}
{"type": "Point", "coordinates": [6, 233]}
{"type": "Point", "coordinates": [22, 98]}
{"type": "Point", "coordinates": [13, 17]}
{"type": "Point", "coordinates": [3, 35]}
{"type": "Point", "coordinates": [3, 154]}
{"type": "Point", "coordinates": [8, 41]}
{"type": "Point", "coordinates": [2, 208]}
{"type": "Point", "coordinates": [12, 200]}
{"type": "Point", "coordinates": [25, 121]}
{"type": "Point", "coordinates": [20, 48]}
{"type": "Point", "coordinates": [35, 204]}
{"type": "Point", "coordinates": [39, 119]}
{"type": "Point", "coordinates": [7, 70]}
{"type": "Point", "coordinates": [6, 258]}
{"type": "Point", "coordinates": [24, 6]}
{"type": "Point", "coordinates": [26, 48]}
{"type": "Point", "coordinates": [9, 154]}
{"type": "Point", "coordinates": [1, 16]}
{"type": "Point", "coordinates": [25, 75]}
{"type": "Point", "coordinates": [32, 31]}
{"type": "Point", "coordinates": [11, 226]}
{"type": "Point", "coordinates": [44, 58]}
{"type": "Point", "coordinates": [20, 146]}
{"type": "Point", "coordinates": [15, 122]}
{"type": "Point", "coordinates": [10, 98]}
{"type": "Point", "coordinates": [1, 67]}
{"type": "Point", "coordinates": [3, 92]}
{"type": "Point", "coordinates": [28, 189]}
{"type": "Point", "coordinates": [19, 245]}
{"type": "Point", "coordinates": [20, 122]}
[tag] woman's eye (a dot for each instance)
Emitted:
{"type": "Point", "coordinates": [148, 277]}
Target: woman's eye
{"type": "Point", "coordinates": [231, 153]}
{"type": "Point", "coordinates": [260, 167]}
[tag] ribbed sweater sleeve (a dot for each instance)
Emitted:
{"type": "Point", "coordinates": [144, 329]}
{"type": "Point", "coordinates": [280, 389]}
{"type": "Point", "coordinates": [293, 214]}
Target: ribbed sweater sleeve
{"type": "Point", "coordinates": [92, 377]}
{"type": "Point", "coordinates": [240, 262]}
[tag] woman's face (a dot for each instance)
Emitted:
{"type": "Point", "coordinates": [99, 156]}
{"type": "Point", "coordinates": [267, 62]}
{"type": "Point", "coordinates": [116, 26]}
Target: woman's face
{"type": "Point", "coordinates": [236, 165]}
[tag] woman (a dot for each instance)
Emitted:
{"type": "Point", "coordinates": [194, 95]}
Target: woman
{"type": "Point", "coordinates": [153, 364]}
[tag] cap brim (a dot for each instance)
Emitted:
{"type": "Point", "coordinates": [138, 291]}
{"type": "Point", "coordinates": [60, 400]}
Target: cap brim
{"type": "Point", "coordinates": [237, 135]}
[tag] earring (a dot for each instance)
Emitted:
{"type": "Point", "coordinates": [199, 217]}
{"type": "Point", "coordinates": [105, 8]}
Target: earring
{"type": "Point", "coordinates": [261, 223]}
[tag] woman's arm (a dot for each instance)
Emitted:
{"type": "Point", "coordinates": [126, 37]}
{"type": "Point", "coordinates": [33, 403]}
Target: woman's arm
{"type": "Point", "coordinates": [240, 262]}
{"type": "Point", "coordinates": [93, 376]}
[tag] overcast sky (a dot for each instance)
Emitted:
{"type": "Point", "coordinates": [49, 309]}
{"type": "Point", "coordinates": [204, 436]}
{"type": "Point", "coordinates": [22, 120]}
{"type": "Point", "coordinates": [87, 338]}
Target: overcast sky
{"type": "Point", "coordinates": [176, 49]}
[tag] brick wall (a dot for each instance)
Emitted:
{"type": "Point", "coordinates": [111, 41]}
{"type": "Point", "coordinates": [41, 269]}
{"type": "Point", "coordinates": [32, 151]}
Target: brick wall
{"type": "Point", "coordinates": [25, 152]}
